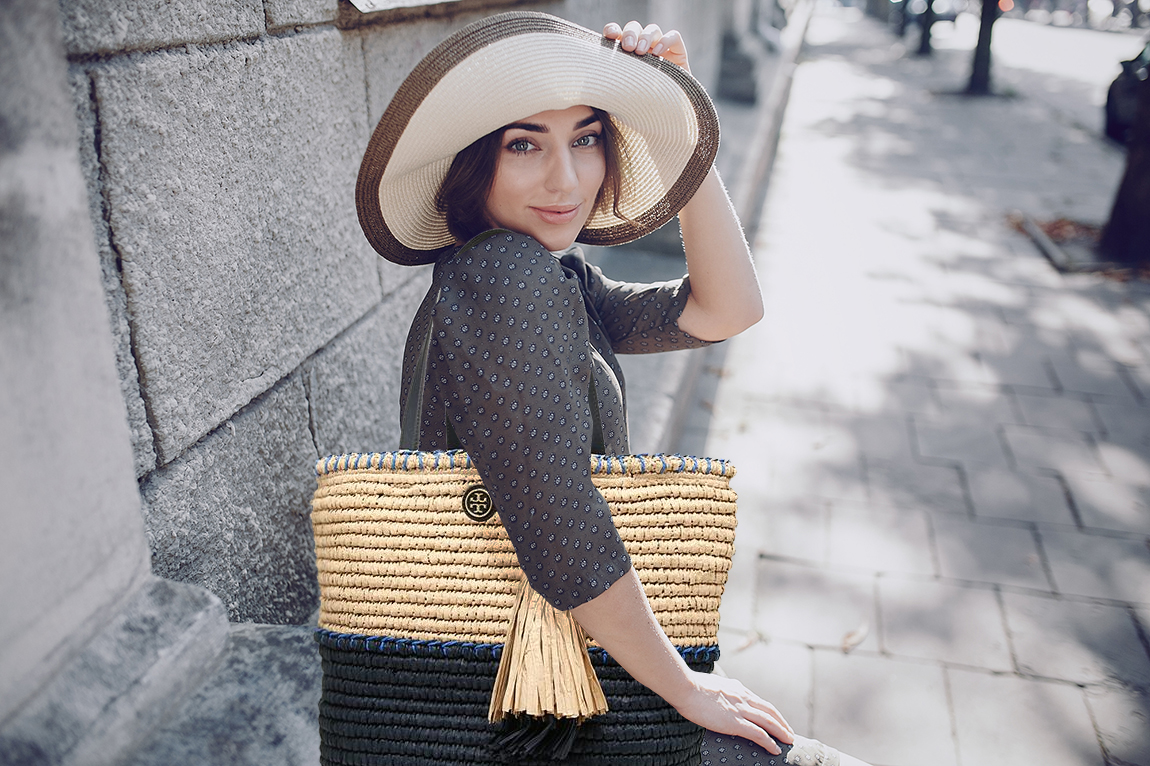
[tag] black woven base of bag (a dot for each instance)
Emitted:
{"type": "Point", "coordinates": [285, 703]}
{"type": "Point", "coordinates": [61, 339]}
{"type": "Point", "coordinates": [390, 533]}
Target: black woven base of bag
{"type": "Point", "coordinates": [404, 703]}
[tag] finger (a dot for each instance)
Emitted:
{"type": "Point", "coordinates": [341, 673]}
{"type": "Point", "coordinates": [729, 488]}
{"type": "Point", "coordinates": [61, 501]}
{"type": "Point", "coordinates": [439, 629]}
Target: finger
{"type": "Point", "coordinates": [667, 41]}
{"type": "Point", "coordinates": [748, 730]}
{"type": "Point", "coordinates": [775, 714]}
{"type": "Point", "coordinates": [612, 31]}
{"type": "Point", "coordinates": [631, 32]}
{"type": "Point", "coordinates": [767, 717]}
{"type": "Point", "coordinates": [647, 38]}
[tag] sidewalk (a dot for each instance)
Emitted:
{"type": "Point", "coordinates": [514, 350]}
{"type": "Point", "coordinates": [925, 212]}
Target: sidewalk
{"type": "Point", "coordinates": [944, 445]}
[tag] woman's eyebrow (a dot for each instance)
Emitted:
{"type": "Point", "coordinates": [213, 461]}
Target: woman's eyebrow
{"type": "Point", "coordinates": [532, 127]}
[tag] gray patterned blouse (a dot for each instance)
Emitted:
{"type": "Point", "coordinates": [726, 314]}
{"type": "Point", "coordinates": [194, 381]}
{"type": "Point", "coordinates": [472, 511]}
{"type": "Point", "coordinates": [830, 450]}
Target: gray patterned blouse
{"type": "Point", "coordinates": [516, 335]}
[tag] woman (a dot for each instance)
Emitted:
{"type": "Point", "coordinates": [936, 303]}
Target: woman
{"type": "Point", "coordinates": [532, 127]}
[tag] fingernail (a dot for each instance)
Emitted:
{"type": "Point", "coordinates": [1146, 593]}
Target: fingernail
{"type": "Point", "coordinates": [629, 39]}
{"type": "Point", "coordinates": [657, 49]}
{"type": "Point", "coordinates": [641, 47]}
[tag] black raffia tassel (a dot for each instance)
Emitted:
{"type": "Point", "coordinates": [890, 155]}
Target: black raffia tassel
{"type": "Point", "coordinates": [547, 738]}
{"type": "Point", "coordinates": [546, 685]}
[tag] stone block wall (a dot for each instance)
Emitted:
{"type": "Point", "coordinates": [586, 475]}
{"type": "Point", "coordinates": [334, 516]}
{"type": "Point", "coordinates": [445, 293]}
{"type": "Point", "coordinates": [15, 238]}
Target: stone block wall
{"type": "Point", "coordinates": [255, 330]}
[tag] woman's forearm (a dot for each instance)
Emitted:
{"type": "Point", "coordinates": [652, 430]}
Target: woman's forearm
{"type": "Point", "coordinates": [725, 297]}
{"type": "Point", "coordinates": [622, 622]}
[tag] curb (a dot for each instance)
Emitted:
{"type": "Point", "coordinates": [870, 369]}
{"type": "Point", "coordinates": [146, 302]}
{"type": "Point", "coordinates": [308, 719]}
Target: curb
{"type": "Point", "coordinates": [748, 194]}
{"type": "Point", "coordinates": [1061, 260]}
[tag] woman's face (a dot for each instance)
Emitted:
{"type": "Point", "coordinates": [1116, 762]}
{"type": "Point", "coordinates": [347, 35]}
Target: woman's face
{"type": "Point", "coordinates": [547, 176]}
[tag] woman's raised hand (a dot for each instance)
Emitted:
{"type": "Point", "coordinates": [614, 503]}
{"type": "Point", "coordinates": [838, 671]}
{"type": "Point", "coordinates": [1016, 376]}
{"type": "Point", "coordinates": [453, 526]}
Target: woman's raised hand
{"type": "Point", "coordinates": [726, 706]}
{"type": "Point", "coordinates": [641, 40]}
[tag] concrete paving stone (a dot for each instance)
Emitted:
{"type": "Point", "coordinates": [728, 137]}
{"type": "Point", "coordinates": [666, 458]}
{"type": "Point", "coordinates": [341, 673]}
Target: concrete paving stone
{"type": "Point", "coordinates": [143, 448]}
{"type": "Point", "coordinates": [1065, 412]}
{"type": "Point", "coordinates": [353, 383]}
{"type": "Point", "coordinates": [737, 609]}
{"type": "Point", "coordinates": [113, 26]}
{"type": "Point", "coordinates": [220, 313]}
{"type": "Point", "coordinates": [779, 672]}
{"type": "Point", "coordinates": [884, 437]}
{"type": "Point", "coordinates": [971, 442]}
{"type": "Point", "coordinates": [286, 13]}
{"type": "Point", "coordinates": [1127, 426]}
{"type": "Point", "coordinates": [1052, 449]}
{"type": "Point", "coordinates": [1074, 641]}
{"type": "Point", "coordinates": [881, 710]}
{"type": "Point", "coordinates": [1005, 494]}
{"type": "Point", "coordinates": [1122, 717]}
{"type": "Point", "coordinates": [1104, 567]}
{"type": "Point", "coordinates": [914, 485]}
{"type": "Point", "coordinates": [1004, 720]}
{"type": "Point", "coordinates": [1138, 375]}
{"type": "Point", "coordinates": [818, 607]}
{"type": "Point", "coordinates": [1126, 464]}
{"type": "Point", "coordinates": [912, 394]}
{"type": "Point", "coordinates": [1027, 367]}
{"type": "Point", "coordinates": [1107, 503]}
{"type": "Point", "coordinates": [790, 479]}
{"type": "Point", "coordinates": [232, 513]}
{"type": "Point", "coordinates": [880, 539]}
{"type": "Point", "coordinates": [941, 621]}
{"type": "Point", "coordinates": [1090, 372]}
{"type": "Point", "coordinates": [796, 530]}
{"type": "Point", "coordinates": [988, 552]}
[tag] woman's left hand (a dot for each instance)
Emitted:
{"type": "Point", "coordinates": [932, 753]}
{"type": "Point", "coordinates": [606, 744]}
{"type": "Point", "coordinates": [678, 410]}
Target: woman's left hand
{"type": "Point", "coordinates": [641, 40]}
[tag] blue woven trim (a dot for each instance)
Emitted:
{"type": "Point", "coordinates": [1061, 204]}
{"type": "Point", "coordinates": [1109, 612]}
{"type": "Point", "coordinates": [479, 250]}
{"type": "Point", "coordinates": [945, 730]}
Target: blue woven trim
{"type": "Point", "coordinates": [411, 647]}
{"type": "Point", "coordinates": [399, 459]}
{"type": "Point", "coordinates": [458, 459]}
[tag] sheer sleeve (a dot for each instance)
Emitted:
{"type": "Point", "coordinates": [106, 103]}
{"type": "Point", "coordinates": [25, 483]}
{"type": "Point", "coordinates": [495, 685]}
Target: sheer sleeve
{"type": "Point", "coordinates": [639, 318]}
{"type": "Point", "coordinates": [510, 364]}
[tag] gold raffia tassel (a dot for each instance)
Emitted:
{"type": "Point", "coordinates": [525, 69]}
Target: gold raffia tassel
{"type": "Point", "coordinates": [545, 669]}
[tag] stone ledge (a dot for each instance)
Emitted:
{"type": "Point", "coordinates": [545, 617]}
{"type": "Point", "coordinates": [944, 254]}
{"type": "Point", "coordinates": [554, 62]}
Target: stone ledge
{"type": "Point", "coordinates": [259, 707]}
{"type": "Point", "coordinates": [122, 683]}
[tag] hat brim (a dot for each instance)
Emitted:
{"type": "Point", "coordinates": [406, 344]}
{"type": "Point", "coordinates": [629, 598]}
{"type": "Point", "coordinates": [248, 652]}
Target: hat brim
{"type": "Point", "coordinates": [510, 66]}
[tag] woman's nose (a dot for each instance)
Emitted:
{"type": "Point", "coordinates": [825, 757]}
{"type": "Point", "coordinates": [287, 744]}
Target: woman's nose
{"type": "Point", "coordinates": [561, 175]}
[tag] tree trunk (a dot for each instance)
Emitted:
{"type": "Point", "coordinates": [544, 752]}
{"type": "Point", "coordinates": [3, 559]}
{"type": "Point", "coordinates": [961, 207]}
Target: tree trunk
{"type": "Point", "coordinates": [927, 21]}
{"type": "Point", "coordinates": [1126, 238]}
{"type": "Point", "coordinates": [980, 68]}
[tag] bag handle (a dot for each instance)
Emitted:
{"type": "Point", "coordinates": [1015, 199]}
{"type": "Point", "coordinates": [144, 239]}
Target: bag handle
{"type": "Point", "coordinates": [410, 416]}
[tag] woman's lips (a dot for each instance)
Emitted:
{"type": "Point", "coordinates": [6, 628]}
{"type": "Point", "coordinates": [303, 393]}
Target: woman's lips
{"type": "Point", "coordinates": [557, 214]}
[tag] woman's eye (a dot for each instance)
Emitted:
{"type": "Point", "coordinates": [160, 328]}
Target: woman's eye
{"type": "Point", "coordinates": [520, 145]}
{"type": "Point", "coordinates": [590, 139]}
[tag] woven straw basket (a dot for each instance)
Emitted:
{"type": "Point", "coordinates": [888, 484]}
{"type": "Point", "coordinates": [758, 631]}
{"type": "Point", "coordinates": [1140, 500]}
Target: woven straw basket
{"type": "Point", "coordinates": [417, 584]}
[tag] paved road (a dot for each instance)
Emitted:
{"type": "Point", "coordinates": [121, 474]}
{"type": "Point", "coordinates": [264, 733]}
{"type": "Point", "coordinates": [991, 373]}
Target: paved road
{"type": "Point", "coordinates": [944, 445]}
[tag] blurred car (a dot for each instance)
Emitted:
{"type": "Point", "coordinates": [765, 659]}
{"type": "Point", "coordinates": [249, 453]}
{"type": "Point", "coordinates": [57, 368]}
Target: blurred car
{"type": "Point", "coordinates": [1122, 98]}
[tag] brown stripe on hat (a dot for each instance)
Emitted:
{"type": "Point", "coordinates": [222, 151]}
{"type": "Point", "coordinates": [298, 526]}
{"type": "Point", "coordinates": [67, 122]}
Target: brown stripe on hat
{"type": "Point", "coordinates": [510, 66]}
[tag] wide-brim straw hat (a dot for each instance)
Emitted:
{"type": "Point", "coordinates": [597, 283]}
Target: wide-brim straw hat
{"type": "Point", "coordinates": [510, 66]}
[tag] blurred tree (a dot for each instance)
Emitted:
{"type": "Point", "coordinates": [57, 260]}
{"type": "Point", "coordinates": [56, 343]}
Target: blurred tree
{"type": "Point", "coordinates": [926, 21]}
{"type": "Point", "coordinates": [1126, 238]}
{"type": "Point", "coordinates": [980, 68]}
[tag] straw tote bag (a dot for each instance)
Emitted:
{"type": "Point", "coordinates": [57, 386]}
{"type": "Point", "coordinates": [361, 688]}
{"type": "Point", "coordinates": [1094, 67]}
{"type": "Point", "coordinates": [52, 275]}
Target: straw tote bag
{"type": "Point", "coordinates": [428, 633]}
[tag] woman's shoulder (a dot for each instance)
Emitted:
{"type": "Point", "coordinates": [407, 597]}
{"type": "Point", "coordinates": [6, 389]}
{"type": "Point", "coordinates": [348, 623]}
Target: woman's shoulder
{"type": "Point", "coordinates": [498, 246]}
{"type": "Point", "coordinates": [500, 260]}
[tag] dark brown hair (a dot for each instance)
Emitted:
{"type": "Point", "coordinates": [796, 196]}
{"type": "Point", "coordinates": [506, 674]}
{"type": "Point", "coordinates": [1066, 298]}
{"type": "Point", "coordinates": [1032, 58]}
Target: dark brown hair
{"type": "Point", "coordinates": [462, 196]}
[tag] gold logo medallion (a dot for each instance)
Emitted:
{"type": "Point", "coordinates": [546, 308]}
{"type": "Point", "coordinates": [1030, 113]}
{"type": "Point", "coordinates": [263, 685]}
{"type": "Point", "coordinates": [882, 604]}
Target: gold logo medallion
{"type": "Point", "coordinates": [477, 503]}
